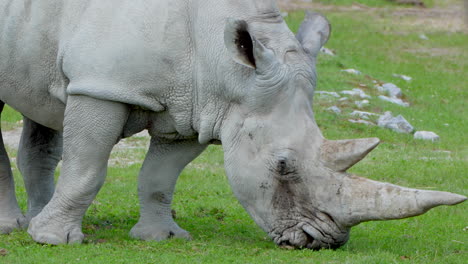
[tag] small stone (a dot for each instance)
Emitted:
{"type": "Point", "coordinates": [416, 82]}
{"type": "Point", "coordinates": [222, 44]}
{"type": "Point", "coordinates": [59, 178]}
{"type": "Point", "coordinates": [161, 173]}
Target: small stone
{"type": "Point", "coordinates": [3, 252]}
{"type": "Point", "coordinates": [352, 71]}
{"type": "Point", "coordinates": [343, 99]}
{"type": "Point", "coordinates": [397, 124]}
{"type": "Point", "coordinates": [402, 76]}
{"type": "Point", "coordinates": [360, 121]}
{"type": "Point", "coordinates": [392, 90]}
{"type": "Point", "coordinates": [284, 14]}
{"type": "Point", "coordinates": [334, 109]}
{"type": "Point", "coordinates": [334, 94]}
{"type": "Point", "coordinates": [327, 51]}
{"type": "Point", "coordinates": [287, 247]}
{"type": "Point", "coordinates": [361, 104]}
{"type": "Point", "coordinates": [364, 115]}
{"type": "Point", "coordinates": [379, 88]}
{"type": "Point", "coordinates": [423, 37]}
{"type": "Point", "coordinates": [356, 92]}
{"type": "Point", "coordinates": [426, 135]}
{"type": "Point", "coordinates": [397, 101]}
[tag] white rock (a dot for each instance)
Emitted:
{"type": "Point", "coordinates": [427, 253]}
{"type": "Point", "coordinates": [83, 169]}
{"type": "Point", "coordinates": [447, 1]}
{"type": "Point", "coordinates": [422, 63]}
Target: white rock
{"type": "Point", "coordinates": [327, 51]}
{"type": "Point", "coordinates": [361, 104]}
{"type": "Point", "coordinates": [397, 101]}
{"type": "Point", "coordinates": [402, 76]}
{"type": "Point", "coordinates": [334, 109]}
{"type": "Point", "coordinates": [423, 37]}
{"type": "Point", "coordinates": [343, 99]}
{"type": "Point", "coordinates": [360, 121]}
{"type": "Point", "coordinates": [334, 94]}
{"type": "Point", "coordinates": [364, 115]}
{"type": "Point", "coordinates": [284, 14]}
{"type": "Point", "coordinates": [397, 124]}
{"type": "Point", "coordinates": [426, 135]}
{"type": "Point", "coordinates": [352, 71]}
{"type": "Point", "coordinates": [379, 88]}
{"type": "Point", "coordinates": [443, 151]}
{"type": "Point", "coordinates": [392, 90]}
{"type": "Point", "coordinates": [356, 92]}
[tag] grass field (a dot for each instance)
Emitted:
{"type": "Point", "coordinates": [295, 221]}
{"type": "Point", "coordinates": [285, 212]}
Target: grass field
{"type": "Point", "coordinates": [376, 45]}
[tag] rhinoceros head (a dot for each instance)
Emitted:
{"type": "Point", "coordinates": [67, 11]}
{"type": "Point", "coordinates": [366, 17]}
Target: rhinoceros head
{"type": "Point", "coordinates": [291, 180]}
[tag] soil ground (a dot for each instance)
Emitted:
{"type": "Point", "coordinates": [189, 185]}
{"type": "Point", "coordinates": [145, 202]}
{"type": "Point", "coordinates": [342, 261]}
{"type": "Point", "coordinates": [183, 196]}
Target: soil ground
{"type": "Point", "coordinates": [450, 16]}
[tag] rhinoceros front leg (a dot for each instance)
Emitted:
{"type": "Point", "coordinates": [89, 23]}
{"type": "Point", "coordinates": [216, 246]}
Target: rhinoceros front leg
{"type": "Point", "coordinates": [10, 213]}
{"type": "Point", "coordinates": [157, 180]}
{"type": "Point", "coordinates": [91, 128]}
{"type": "Point", "coordinates": [39, 152]}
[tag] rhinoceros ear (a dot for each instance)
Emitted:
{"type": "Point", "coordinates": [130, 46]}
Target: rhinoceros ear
{"type": "Point", "coordinates": [313, 33]}
{"type": "Point", "coordinates": [245, 49]}
{"type": "Point", "coordinates": [239, 42]}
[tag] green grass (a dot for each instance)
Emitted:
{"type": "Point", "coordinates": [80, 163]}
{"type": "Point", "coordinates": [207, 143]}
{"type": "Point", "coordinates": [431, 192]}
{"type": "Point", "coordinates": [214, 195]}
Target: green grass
{"type": "Point", "coordinates": [222, 230]}
{"type": "Point", "coordinates": [10, 118]}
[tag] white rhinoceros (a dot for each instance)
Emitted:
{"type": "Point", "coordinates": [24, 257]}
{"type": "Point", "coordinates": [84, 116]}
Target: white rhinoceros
{"type": "Point", "coordinates": [192, 73]}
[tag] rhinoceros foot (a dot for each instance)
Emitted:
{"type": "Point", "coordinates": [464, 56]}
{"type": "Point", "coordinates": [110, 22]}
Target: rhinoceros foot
{"type": "Point", "coordinates": [47, 230]}
{"type": "Point", "coordinates": [8, 224]}
{"type": "Point", "coordinates": [158, 231]}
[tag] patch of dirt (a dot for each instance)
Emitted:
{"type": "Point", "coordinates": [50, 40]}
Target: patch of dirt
{"type": "Point", "coordinates": [11, 138]}
{"type": "Point", "coordinates": [435, 52]}
{"type": "Point", "coordinates": [452, 17]}
{"type": "Point", "coordinates": [120, 153]}
{"type": "Point", "coordinates": [119, 158]}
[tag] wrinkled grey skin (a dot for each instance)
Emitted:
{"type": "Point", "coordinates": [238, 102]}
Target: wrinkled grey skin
{"type": "Point", "coordinates": [88, 73]}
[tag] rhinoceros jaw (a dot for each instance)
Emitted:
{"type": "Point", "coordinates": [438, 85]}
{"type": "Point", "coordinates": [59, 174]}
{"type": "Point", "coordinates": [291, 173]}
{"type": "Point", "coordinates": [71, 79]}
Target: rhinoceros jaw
{"type": "Point", "coordinates": [310, 229]}
{"type": "Point", "coordinates": [341, 155]}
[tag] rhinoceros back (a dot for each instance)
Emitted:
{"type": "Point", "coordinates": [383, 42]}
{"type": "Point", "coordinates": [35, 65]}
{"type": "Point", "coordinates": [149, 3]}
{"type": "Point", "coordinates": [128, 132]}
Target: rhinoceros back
{"type": "Point", "coordinates": [135, 52]}
{"type": "Point", "coordinates": [29, 78]}
{"type": "Point", "coordinates": [138, 53]}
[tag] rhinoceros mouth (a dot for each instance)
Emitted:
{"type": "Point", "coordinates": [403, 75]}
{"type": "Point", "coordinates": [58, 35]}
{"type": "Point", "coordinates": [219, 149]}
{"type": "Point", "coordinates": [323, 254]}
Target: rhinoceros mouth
{"type": "Point", "coordinates": [306, 234]}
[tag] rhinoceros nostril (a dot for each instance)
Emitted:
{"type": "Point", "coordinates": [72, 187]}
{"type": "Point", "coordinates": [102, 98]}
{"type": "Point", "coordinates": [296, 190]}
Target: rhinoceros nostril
{"type": "Point", "coordinates": [282, 167]}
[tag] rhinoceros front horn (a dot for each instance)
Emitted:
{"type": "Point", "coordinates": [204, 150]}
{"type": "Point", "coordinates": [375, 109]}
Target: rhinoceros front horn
{"type": "Point", "coordinates": [363, 200]}
{"type": "Point", "coordinates": [366, 200]}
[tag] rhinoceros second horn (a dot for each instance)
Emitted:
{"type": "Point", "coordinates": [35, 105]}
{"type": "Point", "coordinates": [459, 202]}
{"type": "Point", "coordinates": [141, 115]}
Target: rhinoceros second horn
{"type": "Point", "coordinates": [341, 155]}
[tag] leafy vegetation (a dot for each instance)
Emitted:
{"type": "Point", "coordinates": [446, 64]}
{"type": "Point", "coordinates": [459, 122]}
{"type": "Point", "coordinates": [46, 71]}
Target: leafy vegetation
{"type": "Point", "coordinates": [224, 233]}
